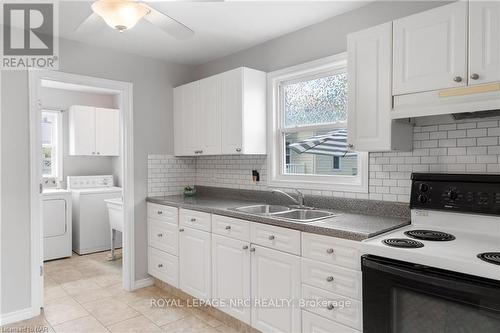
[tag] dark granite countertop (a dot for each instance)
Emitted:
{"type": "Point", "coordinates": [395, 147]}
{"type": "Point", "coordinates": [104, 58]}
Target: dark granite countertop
{"type": "Point", "coordinates": [348, 225]}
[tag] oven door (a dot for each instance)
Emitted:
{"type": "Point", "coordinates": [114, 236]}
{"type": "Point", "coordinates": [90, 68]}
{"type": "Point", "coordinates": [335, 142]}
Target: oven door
{"type": "Point", "coordinates": [401, 297]}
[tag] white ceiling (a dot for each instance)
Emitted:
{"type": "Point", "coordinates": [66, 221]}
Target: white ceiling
{"type": "Point", "coordinates": [221, 28]}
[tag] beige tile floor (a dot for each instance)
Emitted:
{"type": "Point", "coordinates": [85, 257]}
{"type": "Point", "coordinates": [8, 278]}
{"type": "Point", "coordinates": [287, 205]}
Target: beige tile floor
{"type": "Point", "coordinates": [84, 294]}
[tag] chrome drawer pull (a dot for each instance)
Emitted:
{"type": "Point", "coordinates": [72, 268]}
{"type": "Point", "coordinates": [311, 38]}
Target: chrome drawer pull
{"type": "Point", "coordinates": [160, 265]}
{"type": "Point", "coordinates": [193, 220]}
{"type": "Point", "coordinates": [181, 230]}
{"type": "Point", "coordinates": [245, 247]}
{"type": "Point", "coordinates": [228, 227]}
{"type": "Point", "coordinates": [160, 235]}
{"type": "Point", "coordinates": [159, 212]}
{"type": "Point", "coordinates": [252, 249]}
{"type": "Point", "coordinates": [329, 279]}
{"type": "Point", "coordinates": [271, 237]}
{"type": "Point", "coordinates": [329, 251]}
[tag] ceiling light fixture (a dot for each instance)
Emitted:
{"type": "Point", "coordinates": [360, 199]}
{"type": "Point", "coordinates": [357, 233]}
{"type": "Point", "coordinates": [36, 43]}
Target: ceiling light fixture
{"type": "Point", "coordinates": [120, 14]}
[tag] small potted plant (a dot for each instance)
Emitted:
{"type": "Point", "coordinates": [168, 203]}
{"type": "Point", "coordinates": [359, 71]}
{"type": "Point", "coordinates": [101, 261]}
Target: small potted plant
{"type": "Point", "coordinates": [189, 191]}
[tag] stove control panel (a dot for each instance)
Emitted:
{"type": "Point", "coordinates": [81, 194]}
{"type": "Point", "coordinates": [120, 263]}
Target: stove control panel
{"type": "Point", "coordinates": [456, 192]}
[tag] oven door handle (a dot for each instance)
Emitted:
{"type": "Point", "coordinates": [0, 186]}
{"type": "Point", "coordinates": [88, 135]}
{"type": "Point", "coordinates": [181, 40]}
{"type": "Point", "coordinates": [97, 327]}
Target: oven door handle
{"type": "Point", "coordinates": [451, 281]}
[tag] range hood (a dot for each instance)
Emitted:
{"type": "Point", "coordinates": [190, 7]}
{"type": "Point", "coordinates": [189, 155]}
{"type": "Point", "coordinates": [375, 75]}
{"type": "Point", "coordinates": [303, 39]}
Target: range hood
{"type": "Point", "coordinates": [463, 100]}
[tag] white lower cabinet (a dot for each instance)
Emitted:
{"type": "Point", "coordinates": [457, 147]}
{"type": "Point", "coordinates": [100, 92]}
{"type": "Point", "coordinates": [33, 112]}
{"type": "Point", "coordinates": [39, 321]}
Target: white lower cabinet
{"type": "Point", "coordinates": [195, 262]}
{"type": "Point", "coordinates": [163, 266]}
{"type": "Point", "coordinates": [231, 275]}
{"type": "Point", "coordinates": [275, 277]}
{"type": "Point", "coordinates": [312, 323]}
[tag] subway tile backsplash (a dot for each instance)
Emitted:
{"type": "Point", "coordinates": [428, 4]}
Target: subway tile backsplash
{"type": "Point", "coordinates": [440, 145]}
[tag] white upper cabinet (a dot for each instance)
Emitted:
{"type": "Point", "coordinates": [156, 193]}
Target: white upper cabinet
{"type": "Point", "coordinates": [370, 127]}
{"type": "Point", "coordinates": [430, 50]}
{"type": "Point", "coordinates": [94, 131]}
{"type": "Point", "coordinates": [222, 114]}
{"type": "Point", "coordinates": [484, 42]}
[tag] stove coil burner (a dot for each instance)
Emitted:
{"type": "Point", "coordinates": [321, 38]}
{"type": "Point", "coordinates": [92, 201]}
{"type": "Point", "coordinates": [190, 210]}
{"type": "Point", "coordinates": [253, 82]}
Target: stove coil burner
{"type": "Point", "coordinates": [490, 257]}
{"type": "Point", "coordinates": [430, 235]}
{"type": "Point", "coordinates": [403, 243]}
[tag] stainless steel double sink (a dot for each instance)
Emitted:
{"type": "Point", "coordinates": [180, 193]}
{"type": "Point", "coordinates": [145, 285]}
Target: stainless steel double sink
{"type": "Point", "coordinates": [300, 215]}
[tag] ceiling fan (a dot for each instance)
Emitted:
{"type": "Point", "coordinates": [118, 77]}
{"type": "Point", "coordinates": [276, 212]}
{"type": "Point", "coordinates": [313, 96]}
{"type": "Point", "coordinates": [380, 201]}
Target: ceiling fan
{"type": "Point", "coordinates": [123, 15]}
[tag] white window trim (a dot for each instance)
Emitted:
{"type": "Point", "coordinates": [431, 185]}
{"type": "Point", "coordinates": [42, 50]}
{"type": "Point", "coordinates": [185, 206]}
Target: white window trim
{"type": "Point", "coordinates": [59, 145]}
{"type": "Point", "coordinates": [338, 183]}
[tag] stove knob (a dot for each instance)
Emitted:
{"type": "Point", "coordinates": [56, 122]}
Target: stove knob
{"type": "Point", "coordinates": [424, 187]}
{"type": "Point", "coordinates": [452, 195]}
{"type": "Point", "coordinates": [422, 198]}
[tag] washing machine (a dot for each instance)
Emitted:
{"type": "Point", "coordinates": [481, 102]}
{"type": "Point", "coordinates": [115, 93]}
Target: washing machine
{"type": "Point", "coordinates": [91, 231]}
{"type": "Point", "coordinates": [56, 212]}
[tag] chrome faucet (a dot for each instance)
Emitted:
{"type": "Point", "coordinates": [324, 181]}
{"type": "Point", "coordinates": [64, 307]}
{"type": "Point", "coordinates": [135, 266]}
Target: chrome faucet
{"type": "Point", "coordinates": [300, 197]}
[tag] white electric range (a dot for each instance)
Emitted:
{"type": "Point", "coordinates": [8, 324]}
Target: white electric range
{"type": "Point", "coordinates": [442, 272]}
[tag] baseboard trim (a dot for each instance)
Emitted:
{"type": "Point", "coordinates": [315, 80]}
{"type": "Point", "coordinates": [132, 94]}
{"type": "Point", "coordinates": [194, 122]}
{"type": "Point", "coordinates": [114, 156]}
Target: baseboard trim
{"type": "Point", "coordinates": [19, 315]}
{"type": "Point", "coordinates": [146, 282]}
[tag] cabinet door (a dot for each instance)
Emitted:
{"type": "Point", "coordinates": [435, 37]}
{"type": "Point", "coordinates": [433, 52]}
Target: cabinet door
{"type": "Point", "coordinates": [232, 111]}
{"type": "Point", "coordinates": [195, 262]}
{"type": "Point", "coordinates": [186, 131]}
{"type": "Point", "coordinates": [484, 41]}
{"type": "Point", "coordinates": [231, 274]}
{"type": "Point", "coordinates": [82, 130]}
{"type": "Point", "coordinates": [178, 121]}
{"type": "Point", "coordinates": [430, 50]}
{"type": "Point", "coordinates": [275, 275]}
{"type": "Point", "coordinates": [209, 119]}
{"type": "Point", "coordinates": [107, 131]}
{"type": "Point", "coordinates": [370, 101]}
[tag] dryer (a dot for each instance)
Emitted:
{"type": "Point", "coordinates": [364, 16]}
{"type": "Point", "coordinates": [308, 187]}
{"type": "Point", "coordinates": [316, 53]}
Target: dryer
{"type": "Point", "coordinates": [91, 232]}
{"type": "Point", "coordinates": [56, 210]}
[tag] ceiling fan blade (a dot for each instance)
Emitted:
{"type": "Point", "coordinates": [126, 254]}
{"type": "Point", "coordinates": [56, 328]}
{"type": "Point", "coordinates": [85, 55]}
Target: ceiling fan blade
{"type": "Point", "coordinates": [92, 24]}
{"type": "Point", "coordinates": [169, 25]}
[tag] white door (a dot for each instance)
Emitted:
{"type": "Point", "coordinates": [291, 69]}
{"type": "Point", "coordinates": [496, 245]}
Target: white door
{"type": "Point", "coordinates": [209, 118]}
{"type": "Point", "coordinates": [82, 130]}
{"type": "Point", "coordinates": [430, 50]}
{"type": "Point", "coordinates": [190, 126]}
{"type": "Point", "coordinates": [107, 132]}
{"type": "Point", "coordinates": [232, 111]}
{"type": "Point", "coordinates": [195, 262]}
{"type": "Point", "coordinates": [370, 101]}
{"type": "Point", "coordinates": [54, 217]}
{"type": "Point", "coordinates": [231, 274]}
{"type": "Point", "coordinates": [275, 275]}
{"type": "Point", "coordinates": [484, 41]}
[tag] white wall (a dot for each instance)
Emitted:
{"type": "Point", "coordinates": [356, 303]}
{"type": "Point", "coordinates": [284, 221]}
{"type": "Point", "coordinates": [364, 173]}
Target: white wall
{"type": "Point", "coordinates": [153, 133]}
{"type": "Point", "coordinates": [79, 165]}
{"type": "Point", "coordinates": [316, 41]}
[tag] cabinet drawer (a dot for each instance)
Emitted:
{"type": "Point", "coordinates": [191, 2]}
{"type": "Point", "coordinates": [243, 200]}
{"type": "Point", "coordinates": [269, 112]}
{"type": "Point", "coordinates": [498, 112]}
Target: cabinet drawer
{"type": "Point", "coordinates": [231, 227]}
{"type": "Point", "coordinates": [164, 213]}
{"type": "Point", "coordinates": [282, 239]}
{"type": "Point", "coordinates": [195, 220]}
{"type": "Point", "coordinates": [312, 323]}
{"type": "Point", "coordinates": [331, 250]}
{"type": "Point", "coordinates": [163, 266]}
{"type": "Point", "coordinates": [345, 310]}
{"type": "Point", "coordinates": [163, 236]}
{"type": "Point", "coordinates": [333, 278]}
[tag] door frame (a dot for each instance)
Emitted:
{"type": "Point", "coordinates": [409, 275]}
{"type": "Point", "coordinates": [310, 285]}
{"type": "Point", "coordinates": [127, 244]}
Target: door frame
{"type": "Point", "coordinates": [124, 92]}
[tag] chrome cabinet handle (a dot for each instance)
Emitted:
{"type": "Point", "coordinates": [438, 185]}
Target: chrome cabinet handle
{"type": "Point", "coordinates": [329, 279]}
{"type": "Point", "coordinates": [159, 212]}
{"type": "Point", "coordinates": [252, 249]}
{"type": "Point", "coordinates": [160, 235]}
{"type": "Point", "coordinates": [181, 230]}
{"type": "Point", "coordinates": [98, 153]}
{"type": "Point", "coordinates": [330, 306]}
{"type": "Point", "coordinates": [329, 251]}
{"type": "Point", "coordinates": [474, 76]}
{"type": "Point", "coordinates": [160, 265]}
{"type": "Point", "coordinates": [228, 227]}
{"type": "Point", "coordinates": [271, 237]}
{"type": "Point", "coordinates": [457, 79]}
{"type": "Point", "coordinates": [193, 220]}
{"type": "Point", "coordinates": [238, 150]}
{"type": "Point", "coordinates": [245, 247]}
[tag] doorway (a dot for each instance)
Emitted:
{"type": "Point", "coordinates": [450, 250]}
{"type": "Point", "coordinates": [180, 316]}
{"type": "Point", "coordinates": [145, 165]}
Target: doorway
{"type": "Point", "coordinates": [43, 147]}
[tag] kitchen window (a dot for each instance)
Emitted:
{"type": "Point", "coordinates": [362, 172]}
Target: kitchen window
{"type": "Point", "coordinates": [52, 149]}
{"type": "Point", "coordinates": [308, 127]}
